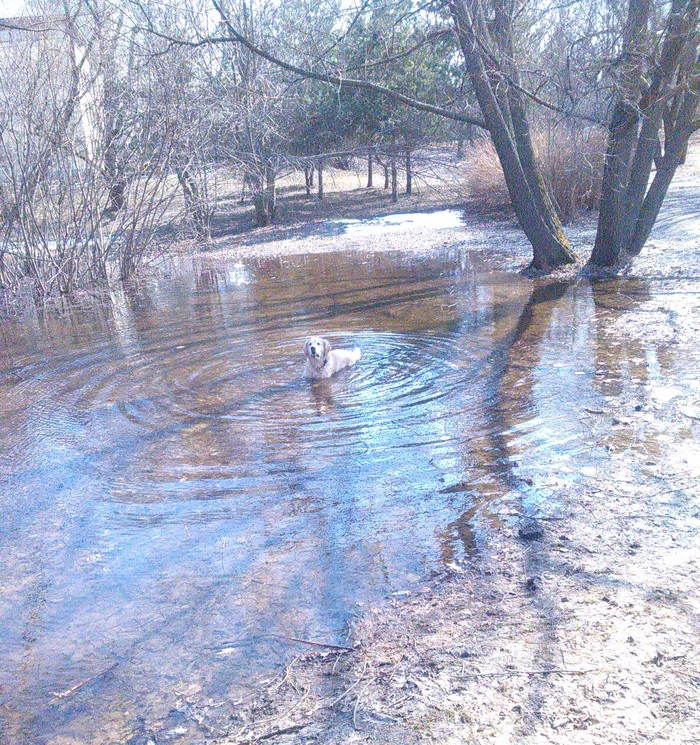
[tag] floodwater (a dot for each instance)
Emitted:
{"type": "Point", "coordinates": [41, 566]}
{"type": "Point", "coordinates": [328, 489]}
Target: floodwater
{"type": "Point", "coordinates": [179, 505]}
{"type": "Point", "coordinates": [437, 220]}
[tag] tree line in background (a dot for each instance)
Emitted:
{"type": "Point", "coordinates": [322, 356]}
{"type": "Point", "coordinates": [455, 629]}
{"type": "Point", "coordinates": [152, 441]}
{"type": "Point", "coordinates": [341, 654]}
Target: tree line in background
{"type": "Point", "coordinates": [119, 114]}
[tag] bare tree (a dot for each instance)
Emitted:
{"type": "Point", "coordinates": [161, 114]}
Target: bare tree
{"type": "Point", "coordinates": [82, 196]}
{"type": "Point", "coordinates": [657, 77]}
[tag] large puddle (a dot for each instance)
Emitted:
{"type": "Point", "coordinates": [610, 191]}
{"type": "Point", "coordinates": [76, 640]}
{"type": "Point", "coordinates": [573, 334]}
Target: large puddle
{"type": "Point", "coordinates": [179, 505]}
{"type": "Point", "coordinates": [400, 222]}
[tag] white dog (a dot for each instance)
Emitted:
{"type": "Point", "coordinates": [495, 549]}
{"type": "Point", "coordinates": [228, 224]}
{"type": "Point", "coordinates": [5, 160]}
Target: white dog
{"type": "Point", "coordinates": [322, 361]}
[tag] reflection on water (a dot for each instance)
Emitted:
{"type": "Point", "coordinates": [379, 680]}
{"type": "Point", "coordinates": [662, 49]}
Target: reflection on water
{"type": "Point", "coordinates": [177, 501]}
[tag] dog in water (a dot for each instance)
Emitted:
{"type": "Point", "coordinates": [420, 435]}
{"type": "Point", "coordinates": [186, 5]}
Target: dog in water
{"type": "Point", "coordinates": [322, 361]}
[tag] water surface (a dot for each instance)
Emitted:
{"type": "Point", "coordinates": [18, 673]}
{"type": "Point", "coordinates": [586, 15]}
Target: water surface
{"type": "Point", "coordinates": [399, 222]}
{"type": "Point", "coordinates": [177, 502]}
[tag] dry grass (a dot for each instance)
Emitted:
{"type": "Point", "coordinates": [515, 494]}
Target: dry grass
{"type": "Point", "coordinates": [486, 186]}
{"type": "Point", "coordinates": [571, 163]}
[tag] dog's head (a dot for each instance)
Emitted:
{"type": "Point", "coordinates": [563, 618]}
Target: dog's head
{"type": "Point", "coordinates": [317, 350]}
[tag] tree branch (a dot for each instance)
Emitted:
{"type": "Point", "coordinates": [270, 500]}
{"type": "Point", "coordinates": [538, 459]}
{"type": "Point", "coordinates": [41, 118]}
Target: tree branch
{"type": "Point", "coordinates": [337, 79]}
{"type": "Point", "coordinates": [553, 107]}
{"type": "Point", "coordinates": [400, 55]}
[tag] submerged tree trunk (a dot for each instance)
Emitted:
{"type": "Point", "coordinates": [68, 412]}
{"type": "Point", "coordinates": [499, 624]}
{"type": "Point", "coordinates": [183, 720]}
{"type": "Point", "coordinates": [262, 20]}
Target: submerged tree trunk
{"type": "Point", "coordinates": [651, 94]}
{"type": "Point", "coordinates": [495, 83]}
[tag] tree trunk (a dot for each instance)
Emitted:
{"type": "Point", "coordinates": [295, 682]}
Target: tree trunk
{"type": "Point", "coordinates": [257, 185]}
{"type": "Point", "coordinates": [651, 94]}
{"type": "Point", "coordinates": [262, 217]}
{"type": "Point", "coordinates": [271, 191]}
{"type": "Point", "coordinates": [114, 168]}
{"type": "Point", "coordinates": [370, 161]}
{"type": "Point", "coordinates": [116, 198]}
{"type": "Point", "coordinates": [495, 83]}
{"type": "Point", "coordinates": [264, 194]}
{"type": "Point", "coordinates": [194, 204]}
{"type": "Point", "coordinates": [394, 179]}
{"type": "Point", "coordinates": [319, 168]}
{"type": "Point", "coordinates": [409, 172]}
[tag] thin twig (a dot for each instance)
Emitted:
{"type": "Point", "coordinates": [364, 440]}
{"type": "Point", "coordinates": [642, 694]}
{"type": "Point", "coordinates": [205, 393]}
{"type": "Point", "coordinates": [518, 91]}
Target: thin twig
{"type": "Point", "coordinates": [553, 671]}
{"type": "Point", "coordinates": [535, 517]}
{"type": "Point", "coordinates": [283, 731]}
{"type": "Point", "coordinates": [347, 690]}
{"type": "Point", "coordinates": [78, 686]}
{"type": "Point", "coordinates": [315, 644]}
{"type": "Point", "coordinates": [359, 696]}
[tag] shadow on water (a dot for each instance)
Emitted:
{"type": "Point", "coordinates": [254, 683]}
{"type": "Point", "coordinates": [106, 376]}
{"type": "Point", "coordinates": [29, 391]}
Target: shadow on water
{"type": "Point", "coordinates": [507, 401]}
{"type": "Point", "coordinates": [178, 502]}
{"type": "Point", "coordinates": [631, 366]}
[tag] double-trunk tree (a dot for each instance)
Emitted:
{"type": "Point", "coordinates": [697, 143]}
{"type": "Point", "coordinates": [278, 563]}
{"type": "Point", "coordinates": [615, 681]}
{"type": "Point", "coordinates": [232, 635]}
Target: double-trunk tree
{"type": "Point", "coordinates": [485, 31]}
{"type": "Point", "coordinates": [657, 91]}
{"type": "Point", "coordinates": [653, 115]}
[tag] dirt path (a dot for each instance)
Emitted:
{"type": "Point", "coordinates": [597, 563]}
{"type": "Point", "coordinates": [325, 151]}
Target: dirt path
{"type": "Point", "coordinates": [581, 627]}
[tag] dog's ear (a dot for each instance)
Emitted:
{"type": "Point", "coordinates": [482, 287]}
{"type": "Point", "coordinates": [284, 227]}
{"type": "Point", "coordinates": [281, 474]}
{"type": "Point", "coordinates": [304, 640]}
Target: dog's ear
{"type": "Point", "coordinates": [306, 347]}
{"type": "Point", "coordinates": [326, 347]}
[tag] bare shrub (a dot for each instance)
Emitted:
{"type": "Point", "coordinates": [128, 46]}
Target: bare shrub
{"type": "Point", "coordinates": [88, 149]}
{"type": "Point", "coordinates": [486, 187]}
{"type": "Point", "coordinates": [571, 162]}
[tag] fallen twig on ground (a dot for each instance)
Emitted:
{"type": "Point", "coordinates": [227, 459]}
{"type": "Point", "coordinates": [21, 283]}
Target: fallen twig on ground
{"type": "Point", "coordinates": [553, 671]}
{"type": "Point", "coordinates": [277, 732]}
{"type": "Point", "coordinates": [357, 702]}
{"type": "Point", "coordinates": [315, 644]}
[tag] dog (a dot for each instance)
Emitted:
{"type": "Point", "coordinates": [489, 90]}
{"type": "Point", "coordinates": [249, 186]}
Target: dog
{"type": "Point", "coordinates": [322, 361]}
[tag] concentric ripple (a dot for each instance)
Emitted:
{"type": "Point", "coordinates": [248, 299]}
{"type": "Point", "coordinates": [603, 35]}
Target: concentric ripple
{"type": "Point", "coordinates": [404, 380]}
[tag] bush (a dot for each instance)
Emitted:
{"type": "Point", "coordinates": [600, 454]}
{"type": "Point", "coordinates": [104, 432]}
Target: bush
{"type": "Point", "coordinates": [486, 187]}
{"type": "Point", "coordinates": [571, 163]}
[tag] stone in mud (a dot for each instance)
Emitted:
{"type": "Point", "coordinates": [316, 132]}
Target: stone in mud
{"type": "Point", "coordinates": [530, 530]}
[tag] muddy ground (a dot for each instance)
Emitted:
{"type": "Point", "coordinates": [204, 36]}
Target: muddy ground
{"type": "Point", "coordinates": [579, 627]}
